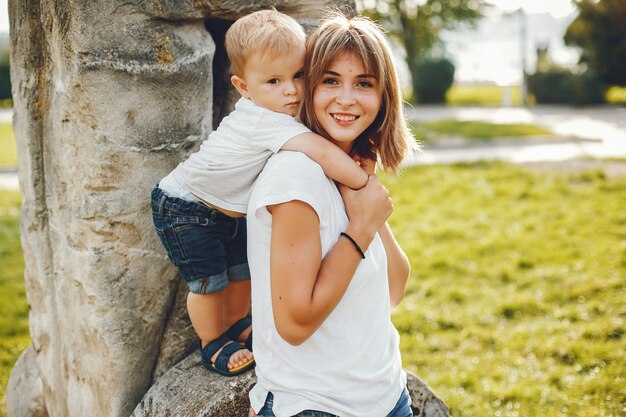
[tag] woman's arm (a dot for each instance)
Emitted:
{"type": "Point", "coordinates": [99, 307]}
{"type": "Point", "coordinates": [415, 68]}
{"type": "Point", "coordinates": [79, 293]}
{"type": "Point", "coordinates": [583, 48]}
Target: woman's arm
{"type": "Point", "coordinates": [398, 267]}
{"type": "Point", "coordinates": [306, 288]}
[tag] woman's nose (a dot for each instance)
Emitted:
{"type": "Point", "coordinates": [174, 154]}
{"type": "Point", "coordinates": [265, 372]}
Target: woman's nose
{"type": "Point", "coordinates": [345, 96]}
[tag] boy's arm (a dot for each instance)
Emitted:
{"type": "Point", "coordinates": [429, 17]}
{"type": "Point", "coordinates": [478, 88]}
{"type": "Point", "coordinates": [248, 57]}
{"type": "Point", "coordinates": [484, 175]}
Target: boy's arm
{"type": "Point", "coordinates": [335, 162]}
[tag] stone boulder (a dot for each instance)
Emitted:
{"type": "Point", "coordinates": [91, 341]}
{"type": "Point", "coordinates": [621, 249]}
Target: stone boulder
{"type": "Point", "coordinates": [189, 390]}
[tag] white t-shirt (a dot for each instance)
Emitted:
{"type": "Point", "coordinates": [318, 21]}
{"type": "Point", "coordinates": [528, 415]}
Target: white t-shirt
{"type": "Point", "coordinates": [351, 365]}
{"type": "Point", "coordinates": [225, 167]}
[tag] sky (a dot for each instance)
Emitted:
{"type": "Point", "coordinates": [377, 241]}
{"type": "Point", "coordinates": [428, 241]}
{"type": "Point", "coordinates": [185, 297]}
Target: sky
{"type": "Point", "coordinates": [493, 51]}
{"type": "Point", "coordinates": [4, 16]}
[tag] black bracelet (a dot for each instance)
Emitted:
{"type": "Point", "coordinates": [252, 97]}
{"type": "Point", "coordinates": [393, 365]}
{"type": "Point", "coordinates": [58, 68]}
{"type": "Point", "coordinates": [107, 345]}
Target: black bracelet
{"type": "Point", "coordinates": [356, 245]}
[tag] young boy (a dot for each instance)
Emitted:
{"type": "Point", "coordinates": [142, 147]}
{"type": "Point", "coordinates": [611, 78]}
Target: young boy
{"type": "Point", "coordinates": [198, 208]}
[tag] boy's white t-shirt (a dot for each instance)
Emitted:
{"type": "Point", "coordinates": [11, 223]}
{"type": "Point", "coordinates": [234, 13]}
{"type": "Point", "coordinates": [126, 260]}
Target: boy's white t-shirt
{"type": "Point", "coordinates": [351, 365]}
{"type": "Point", "coordinates": [225, 167]}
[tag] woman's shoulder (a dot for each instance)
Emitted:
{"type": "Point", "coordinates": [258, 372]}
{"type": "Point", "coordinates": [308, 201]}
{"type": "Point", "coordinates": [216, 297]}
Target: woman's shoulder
{"type": "Point", "coordinates": [291, 164]}
{"type": "Point", "coordinates": [291, 176]}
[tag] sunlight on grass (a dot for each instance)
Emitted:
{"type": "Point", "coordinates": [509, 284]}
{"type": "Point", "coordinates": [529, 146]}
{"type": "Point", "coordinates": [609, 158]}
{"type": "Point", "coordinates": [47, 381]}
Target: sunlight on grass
{"type": "Point", "coordinates": [515, 306]}
{"type": "Point", "coordinates": [616, 95]}
{"type": "Point", "coordinates": [482, 95]}
{"type": "Point", "coordinates": [8, 151]}
{"type": "Point", "coordinates": [474, 130]}
{"type": "Point", "coordinates": [14, 337]}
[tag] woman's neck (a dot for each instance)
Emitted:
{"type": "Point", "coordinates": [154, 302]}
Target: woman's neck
{"type": "Point", "coordinates": [344, 146]}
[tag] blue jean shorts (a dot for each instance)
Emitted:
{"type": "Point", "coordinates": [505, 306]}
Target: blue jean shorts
{"type": "Point", "coordinates": [208, 247]}
{"type": "Point", "coordinates": [401, 409]}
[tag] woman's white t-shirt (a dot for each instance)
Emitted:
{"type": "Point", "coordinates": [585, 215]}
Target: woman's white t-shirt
{"type": "Point", "coordinates": [351, 365]}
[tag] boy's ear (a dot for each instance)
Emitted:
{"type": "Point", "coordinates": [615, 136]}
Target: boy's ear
{"type": "Point", "coordinates": [240, 84]}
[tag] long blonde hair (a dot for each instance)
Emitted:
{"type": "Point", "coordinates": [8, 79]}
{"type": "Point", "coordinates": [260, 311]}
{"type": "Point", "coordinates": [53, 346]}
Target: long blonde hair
{"type": "Point", "coordinates": [388, 137]}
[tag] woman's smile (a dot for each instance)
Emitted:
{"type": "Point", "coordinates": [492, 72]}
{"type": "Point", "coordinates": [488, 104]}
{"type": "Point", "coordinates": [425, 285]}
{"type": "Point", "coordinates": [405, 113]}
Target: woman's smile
{"type": "Point", "coordinates": [344, 119]}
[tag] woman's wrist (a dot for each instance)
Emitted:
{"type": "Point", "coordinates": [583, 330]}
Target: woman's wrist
{"type": "Point", "coordinates": [362, 236]}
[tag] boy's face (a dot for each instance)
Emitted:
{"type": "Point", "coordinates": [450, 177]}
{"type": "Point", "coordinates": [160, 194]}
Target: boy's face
{"type": "Point", "coordinates": [274, 82]}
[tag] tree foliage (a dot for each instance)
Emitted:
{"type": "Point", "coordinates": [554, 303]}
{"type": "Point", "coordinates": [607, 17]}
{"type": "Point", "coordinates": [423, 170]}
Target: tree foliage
{"type": "Point", "coordinates": [5, 80]}
{"type": "Point", "coordinates": [435, 78]}
{"type": "Point", "coordinates": [416, 24]}
{"type": "Point", "coordinates": [600, 32]}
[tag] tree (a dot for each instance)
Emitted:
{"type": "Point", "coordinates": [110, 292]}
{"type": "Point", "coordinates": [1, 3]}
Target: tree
{"type": "Point", "coordinates": [416, 24]}
{"type": "Point", "coordinates": [435, 78]}
{"type": "Point", "coordinates": [600, 32]}
{"type": "Point", "coordinates": [5, 80]}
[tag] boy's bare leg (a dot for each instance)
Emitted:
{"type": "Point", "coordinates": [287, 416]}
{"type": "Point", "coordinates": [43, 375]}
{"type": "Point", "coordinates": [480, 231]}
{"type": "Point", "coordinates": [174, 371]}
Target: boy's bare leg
{"type": "Point", "coordinates": [236, 304]}
{"type": "Point", "coordinates": [206, 312]}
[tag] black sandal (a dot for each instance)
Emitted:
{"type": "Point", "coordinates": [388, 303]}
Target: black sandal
{"type": "Point", "coordinates": [221, 362]}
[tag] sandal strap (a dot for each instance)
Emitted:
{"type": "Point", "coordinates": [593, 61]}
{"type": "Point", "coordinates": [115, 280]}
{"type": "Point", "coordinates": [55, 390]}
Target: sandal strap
{"type": "Point", "coordinates": [221, 362]}
{"type": "Point", "coordinates": [213, 346]}
{"type": "Point", "coordinates": [249, 342]}
{"type": "Point", "coordinates": [238, 327]}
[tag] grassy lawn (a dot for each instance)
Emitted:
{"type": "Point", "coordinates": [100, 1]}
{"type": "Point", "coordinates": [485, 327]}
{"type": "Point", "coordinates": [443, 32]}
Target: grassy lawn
{"type": "Point", "coordinates": [8, 152]}
{"type": "Point", "coordinates": [474, 130]}
{"type": "Point", "coordinates": [515, 306]}
{"type": "Point", "coordinates": [616, 95]}
{"type": "Point", "coordinates": [481, 95]}
{"type": "Point", "coordinates": [14, 336]}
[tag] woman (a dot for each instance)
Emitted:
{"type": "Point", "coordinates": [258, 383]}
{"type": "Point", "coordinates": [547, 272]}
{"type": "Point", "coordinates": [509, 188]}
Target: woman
{"type": "Point", "coordinates": [325, 275]}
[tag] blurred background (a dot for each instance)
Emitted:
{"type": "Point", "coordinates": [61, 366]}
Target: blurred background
{"type": "Point", "coordinates": [513, 216]}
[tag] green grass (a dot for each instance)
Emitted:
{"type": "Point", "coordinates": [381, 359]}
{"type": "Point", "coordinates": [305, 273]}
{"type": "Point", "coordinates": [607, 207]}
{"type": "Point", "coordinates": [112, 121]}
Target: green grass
{"type": "Point", "coordinates": [474, 130]}
{"type": "Point", "coordinates": [616, 95]}
{"type": "Point", "coordinates": [481, 95]}
{"type": "Point", "coordinates": [14, 337]}
{"type": "Point", "coordinates": [8, 151]}
{"type": "Point", "coordinates": [515, 305]}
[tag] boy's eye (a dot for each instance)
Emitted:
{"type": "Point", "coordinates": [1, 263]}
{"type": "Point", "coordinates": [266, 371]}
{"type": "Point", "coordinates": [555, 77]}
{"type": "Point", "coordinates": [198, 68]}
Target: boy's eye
{"type": "Point", "coordinates": [273, 81]}
{"type": "Point", "coordinates": [298, 75]}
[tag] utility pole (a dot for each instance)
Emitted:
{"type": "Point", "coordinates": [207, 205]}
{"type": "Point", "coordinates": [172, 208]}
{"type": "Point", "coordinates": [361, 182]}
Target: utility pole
{"type": "Point", "coordinates": [523, 36]}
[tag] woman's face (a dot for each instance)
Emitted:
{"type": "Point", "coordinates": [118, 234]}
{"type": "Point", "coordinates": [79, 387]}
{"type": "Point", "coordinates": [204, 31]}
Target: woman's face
{"type": "Point", "coordinates": [346, 100]}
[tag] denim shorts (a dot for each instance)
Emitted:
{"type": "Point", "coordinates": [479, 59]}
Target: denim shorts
{"type": "Point", "coordinates": [208, 247]}
{"type": "Point", "coordinates": [401, 409]}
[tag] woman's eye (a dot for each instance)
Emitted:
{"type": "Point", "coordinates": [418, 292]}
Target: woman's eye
{"type": "Point", "coordinates": [298, 75]}
{"type": "Point", "coordinates": [364, 84]}
{"type": "Point", "coordinates": [329, 81]}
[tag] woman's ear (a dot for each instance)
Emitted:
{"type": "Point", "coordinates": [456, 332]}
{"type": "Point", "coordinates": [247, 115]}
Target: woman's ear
{"type": "Point", "coordinates": [240, 84]}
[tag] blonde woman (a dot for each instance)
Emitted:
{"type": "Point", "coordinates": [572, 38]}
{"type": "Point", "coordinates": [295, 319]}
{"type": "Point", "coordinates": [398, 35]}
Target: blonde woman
{"type": "Point", "coordinates": [326, 268]}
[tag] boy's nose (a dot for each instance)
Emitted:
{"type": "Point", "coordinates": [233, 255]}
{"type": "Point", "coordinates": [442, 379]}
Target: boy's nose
{"type": "Point", "coordinates": [290, 89]}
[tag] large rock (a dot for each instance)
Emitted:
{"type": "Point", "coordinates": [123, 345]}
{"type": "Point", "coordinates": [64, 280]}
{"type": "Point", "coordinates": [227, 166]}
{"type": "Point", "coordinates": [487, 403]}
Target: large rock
{"type": "Point", "coordinates": [189, 390]}
{"type": "Point", "coordinates": [24, 390]}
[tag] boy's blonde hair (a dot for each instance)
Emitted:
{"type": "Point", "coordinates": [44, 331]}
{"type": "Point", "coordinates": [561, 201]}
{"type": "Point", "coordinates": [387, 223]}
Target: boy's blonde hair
{"type": "Point", "coordinates": [264, 32]}
{"type": "Point", "coordinates": [388, 137]}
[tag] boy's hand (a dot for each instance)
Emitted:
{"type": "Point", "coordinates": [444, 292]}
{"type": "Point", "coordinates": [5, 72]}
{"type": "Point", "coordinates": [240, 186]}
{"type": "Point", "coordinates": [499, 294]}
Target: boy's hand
{"type": "Point", "coordinates": [367, 164]}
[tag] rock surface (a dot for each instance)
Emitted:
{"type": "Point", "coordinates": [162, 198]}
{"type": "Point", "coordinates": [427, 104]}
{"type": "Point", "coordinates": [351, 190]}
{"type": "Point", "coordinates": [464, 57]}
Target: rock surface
{"type": "Point", "coordinates": [24, 389]}
{"type": "Point", "coordinates": [189, 390]}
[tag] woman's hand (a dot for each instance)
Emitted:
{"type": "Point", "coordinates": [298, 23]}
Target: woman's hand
{"type": "Point", "coordinates": [367, 209]}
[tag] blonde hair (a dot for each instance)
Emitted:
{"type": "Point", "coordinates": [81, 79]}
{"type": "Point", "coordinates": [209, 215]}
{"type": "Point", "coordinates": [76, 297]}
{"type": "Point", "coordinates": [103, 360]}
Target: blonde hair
{"type": "Point", "coordinates": [388, 137]}
{"type": "Point", "coordinates": [265, 31]}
